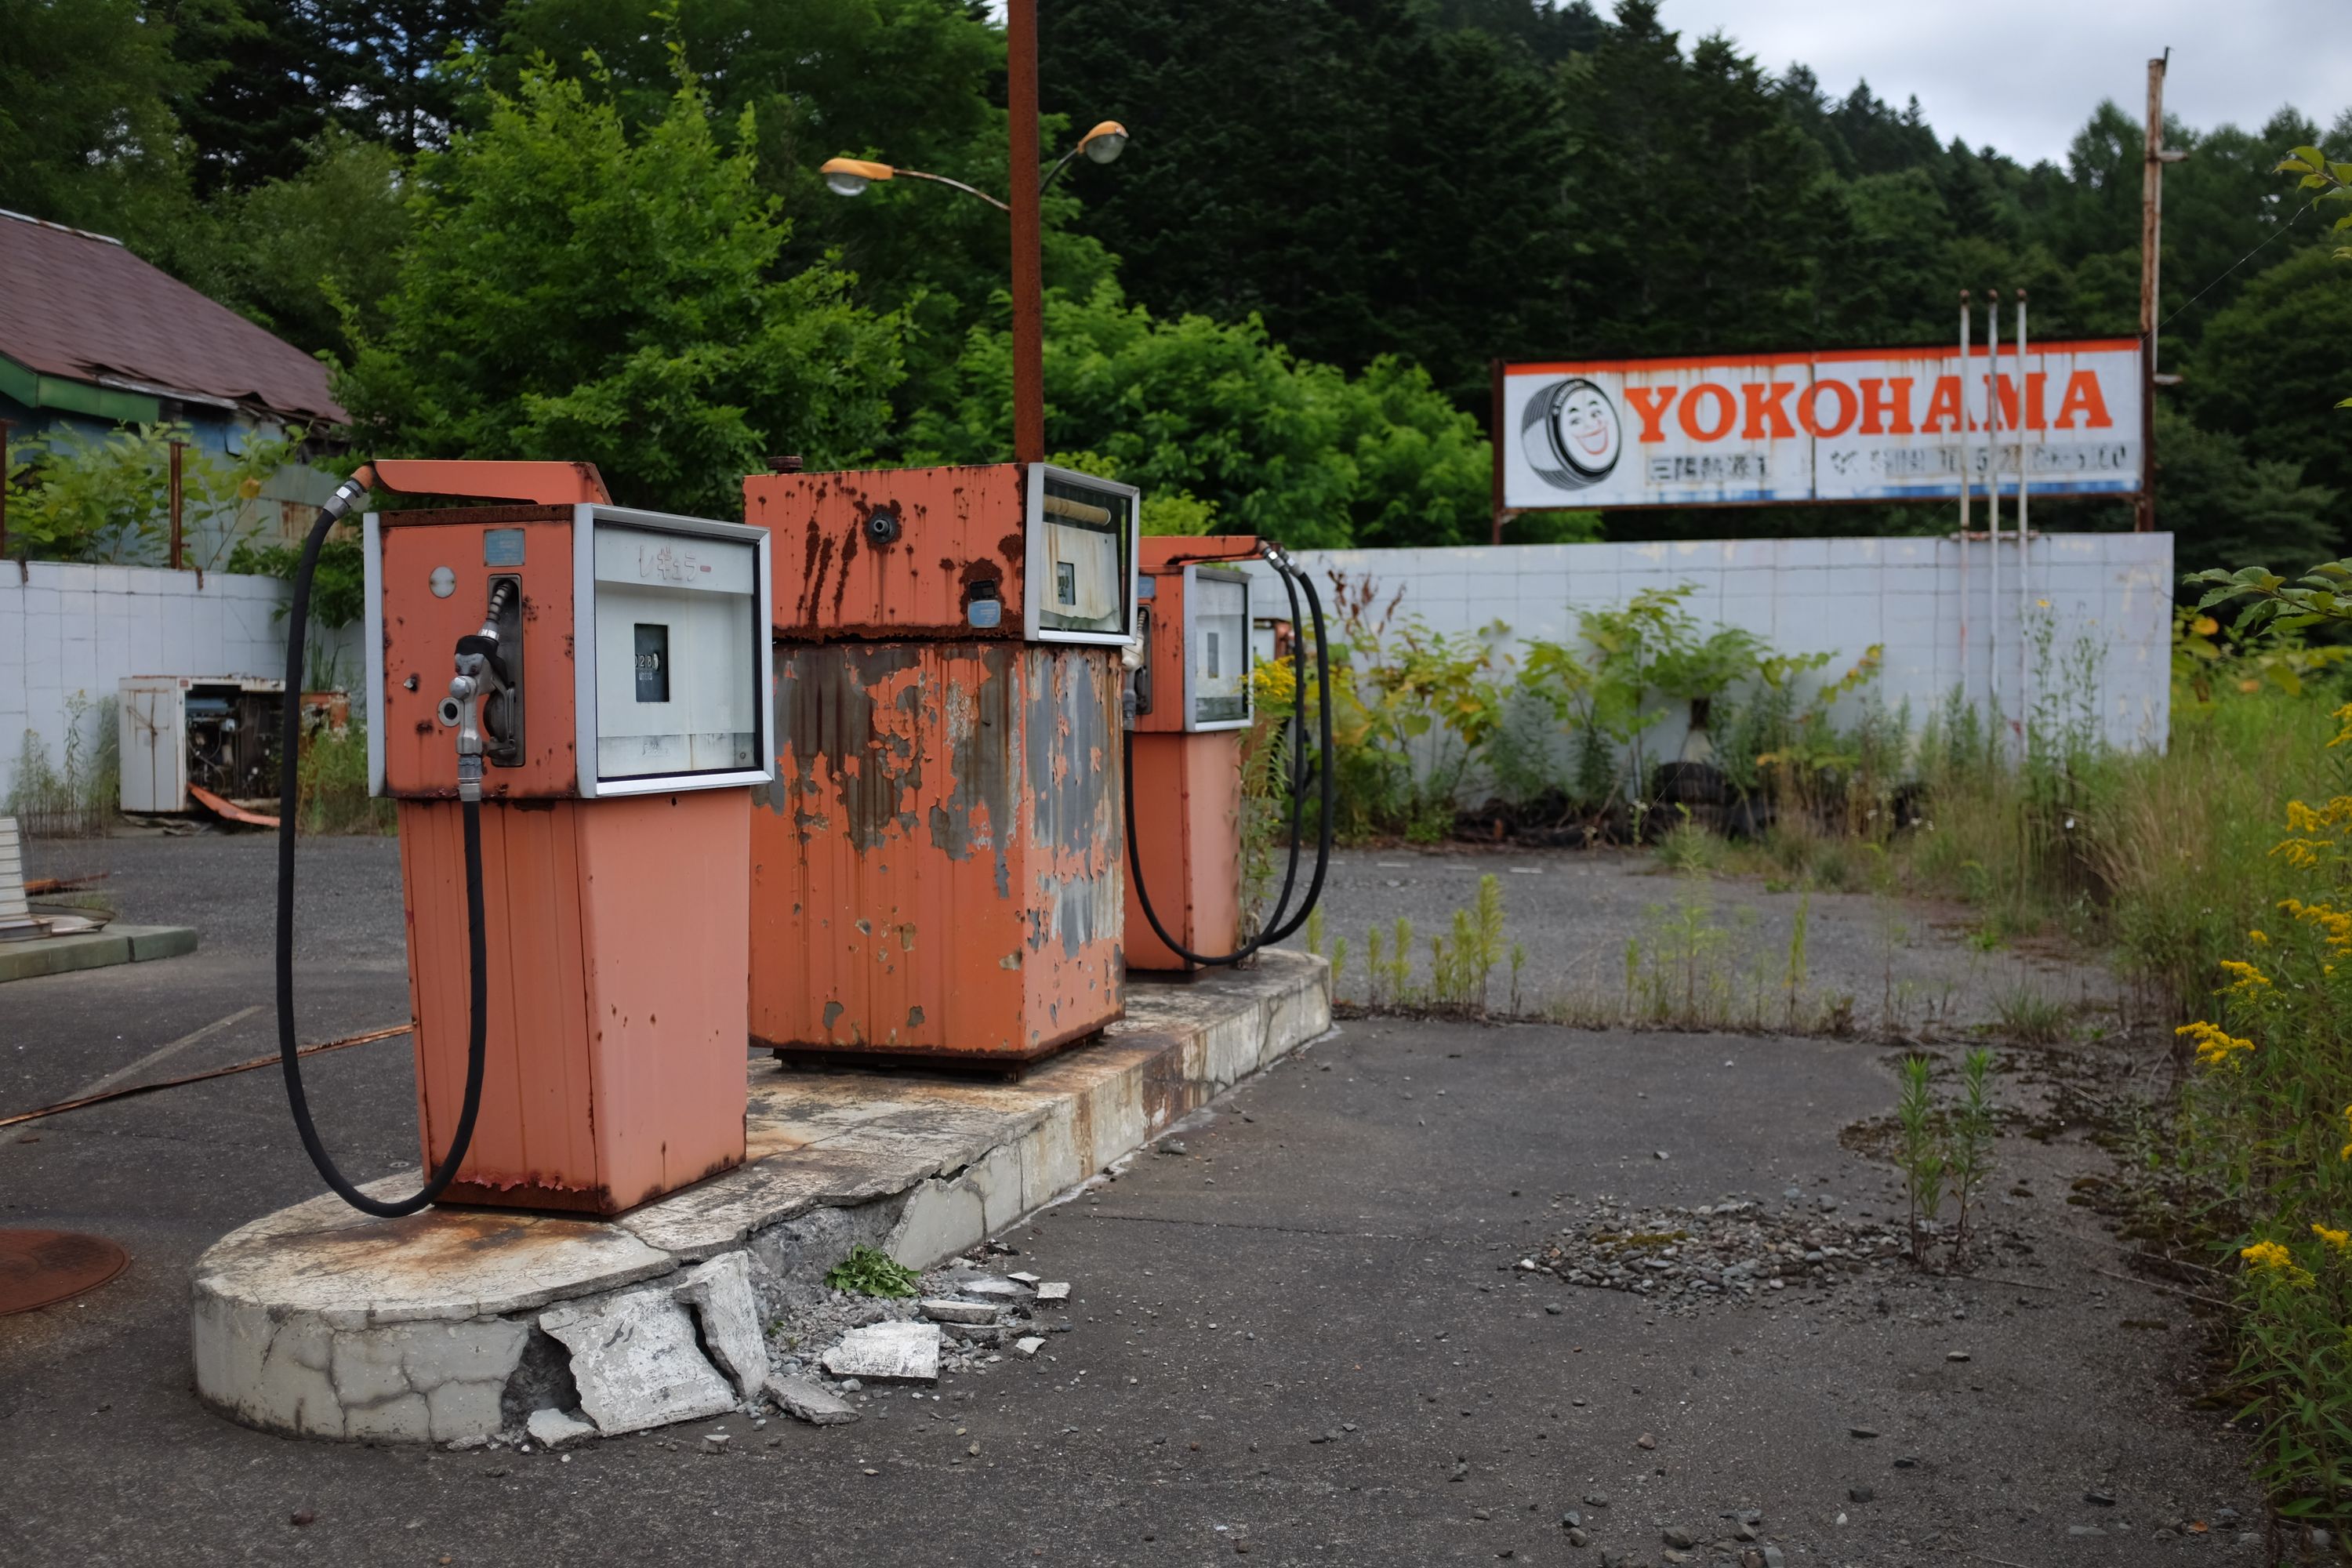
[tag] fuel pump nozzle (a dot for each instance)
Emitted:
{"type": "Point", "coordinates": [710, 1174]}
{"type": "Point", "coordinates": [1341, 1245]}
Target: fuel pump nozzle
{"type": "Point", "coordinates": [479, 668]}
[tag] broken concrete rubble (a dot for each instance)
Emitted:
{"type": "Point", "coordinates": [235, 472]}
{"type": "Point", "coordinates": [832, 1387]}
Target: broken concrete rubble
{"type": "Point", "coordinates": [719, 1291]}
{"type": "Point", "coordinates": [810, 1400]}
{"type": "Point", "coordinates": [554, 1429]}
{"type": "Point", "coordinates": [962, 1311]}
{"type": "Point", "coordinates": [897, 1351]}
{"type": "Point", "coordinates": [635, 1358]}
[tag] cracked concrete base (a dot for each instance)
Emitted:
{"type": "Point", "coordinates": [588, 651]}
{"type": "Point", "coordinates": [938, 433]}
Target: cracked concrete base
{"type": "Point", "coordinates": [318, 1322]}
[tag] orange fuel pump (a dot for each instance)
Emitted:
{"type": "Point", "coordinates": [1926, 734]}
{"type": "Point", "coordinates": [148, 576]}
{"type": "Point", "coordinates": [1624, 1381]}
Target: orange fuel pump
{"type": "Point", "coordinates": [597, 678]}
{"type": "Point", "coordinates": [1193, 711]}
{"type": "Point", "coordinates": [1191, 704]}
{"type": "Point", "coordinates": [937, 870]}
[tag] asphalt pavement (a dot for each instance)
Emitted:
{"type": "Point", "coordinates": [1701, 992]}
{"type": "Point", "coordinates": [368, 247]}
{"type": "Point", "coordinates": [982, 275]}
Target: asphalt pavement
{"type": "Point", "coordinates": [1301, 1340]}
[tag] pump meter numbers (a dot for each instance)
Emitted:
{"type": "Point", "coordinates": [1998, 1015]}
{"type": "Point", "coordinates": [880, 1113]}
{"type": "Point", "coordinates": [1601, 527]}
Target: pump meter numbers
{"type": "Point", "coordinates": [653, 662]}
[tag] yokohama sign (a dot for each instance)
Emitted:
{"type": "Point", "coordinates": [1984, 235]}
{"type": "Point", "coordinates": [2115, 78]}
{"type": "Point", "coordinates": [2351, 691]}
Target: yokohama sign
{"type": "Point", "coordinates": [1834, 425]}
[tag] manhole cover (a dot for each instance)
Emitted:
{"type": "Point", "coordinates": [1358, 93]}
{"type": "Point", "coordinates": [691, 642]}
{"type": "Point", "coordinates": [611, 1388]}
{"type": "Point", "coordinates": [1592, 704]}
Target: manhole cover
{"type": "Point", "coordinates": [41, 1268]}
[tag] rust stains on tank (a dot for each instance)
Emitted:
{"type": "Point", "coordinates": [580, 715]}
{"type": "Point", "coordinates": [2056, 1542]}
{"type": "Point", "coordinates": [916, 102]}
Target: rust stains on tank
{"type": "Point", "coordinates": [848, 716]}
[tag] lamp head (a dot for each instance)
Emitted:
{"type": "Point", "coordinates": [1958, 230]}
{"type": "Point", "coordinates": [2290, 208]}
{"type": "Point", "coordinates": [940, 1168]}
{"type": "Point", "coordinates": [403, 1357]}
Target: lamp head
{"type": "Point", "coordinates": [850, 176]}
{"type": "Point", "coordinates": [1105, 141]}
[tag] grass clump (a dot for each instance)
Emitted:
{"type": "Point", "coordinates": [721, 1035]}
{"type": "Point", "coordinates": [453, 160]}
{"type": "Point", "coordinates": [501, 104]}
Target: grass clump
{"type": "Point", "coordinates": [867, 1271]}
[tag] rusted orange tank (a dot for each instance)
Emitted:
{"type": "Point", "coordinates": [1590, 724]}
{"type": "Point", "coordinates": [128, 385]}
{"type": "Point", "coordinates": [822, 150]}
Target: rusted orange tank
{"type": "Point", "coordinates": [1193, 709]}
{"type": "Point", "coordinates": [620, 752]}
{"type": "Point", "coordinates": [938, 870]}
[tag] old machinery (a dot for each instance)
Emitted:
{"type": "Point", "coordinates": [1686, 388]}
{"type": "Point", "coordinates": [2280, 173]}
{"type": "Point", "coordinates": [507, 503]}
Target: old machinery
{"type": "Point", "coordinates": [937, 870]}
{"type": "Point", "coordinates": [598, 678]}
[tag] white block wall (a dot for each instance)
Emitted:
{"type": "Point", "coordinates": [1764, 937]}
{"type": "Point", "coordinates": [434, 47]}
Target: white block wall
{"type": "Point", "coordinates": [66, 628]}
{"type": "Point", "coordinates": [2111, 593]}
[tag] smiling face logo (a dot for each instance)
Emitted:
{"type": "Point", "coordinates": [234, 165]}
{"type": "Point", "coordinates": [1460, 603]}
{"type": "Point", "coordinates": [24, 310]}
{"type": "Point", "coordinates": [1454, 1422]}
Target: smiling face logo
{"type": "Point", "coordinates": [1580, 437]}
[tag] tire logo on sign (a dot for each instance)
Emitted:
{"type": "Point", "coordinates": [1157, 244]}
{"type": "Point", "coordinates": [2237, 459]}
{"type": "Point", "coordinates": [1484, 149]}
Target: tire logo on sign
{"type": "Point", "coordinates": [1580, 437]}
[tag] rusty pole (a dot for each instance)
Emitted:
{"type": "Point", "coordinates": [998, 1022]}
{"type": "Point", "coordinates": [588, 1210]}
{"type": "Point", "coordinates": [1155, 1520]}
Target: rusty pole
{"type": "Point", "coordinates": [2151, 231]}
{"type": "Point", "coordinates": [1494, 376]}
{"type": "Point", "coordinates": [1028, 288]}
{"type": "Point", "coordinates": [178, 542]}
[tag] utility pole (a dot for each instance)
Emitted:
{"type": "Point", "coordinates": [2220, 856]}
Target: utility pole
{"type": "Point", "coordinates": [1028, 266]}
{"type": "Point", "coordinates": [2151, 238]}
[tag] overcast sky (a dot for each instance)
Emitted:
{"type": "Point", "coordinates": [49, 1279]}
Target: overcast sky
{"type": "Point", "coordinates": [2023, 75]}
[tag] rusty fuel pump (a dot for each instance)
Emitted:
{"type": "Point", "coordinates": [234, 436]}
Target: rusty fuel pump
{"type": "Point", "coordinates": [937, 870]}
{"type": "Point", "coordinates": [598, 676]}
{"type": "Point", "coordinates": [1190, 708]}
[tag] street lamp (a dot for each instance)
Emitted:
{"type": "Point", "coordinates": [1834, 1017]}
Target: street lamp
{"type": "Point", "coordinates": [850, 176]}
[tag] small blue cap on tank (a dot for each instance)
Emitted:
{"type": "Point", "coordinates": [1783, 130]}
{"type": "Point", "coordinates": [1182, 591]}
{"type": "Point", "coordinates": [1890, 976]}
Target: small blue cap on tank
{"type": "Point", "coordinates": [987, 612]}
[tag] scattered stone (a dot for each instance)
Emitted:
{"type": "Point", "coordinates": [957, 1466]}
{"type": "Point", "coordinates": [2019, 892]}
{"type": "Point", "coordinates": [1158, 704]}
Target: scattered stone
{"type": "Point", "coordinates": [1646, 1441]}
{"type": "Point", "coordinates": [1955, 1355]}
{"type": "Point", "coordinates": [1460, 1470]}
{"type": "Point", "coordinates": [992, 1285]}
{"type": "Point", "coordinates": [1053, 1290]}
{"type": "Point", "coordinates": [719, 1291]}
{"type": "Point", "coordinates": [1861, 1433]}
{"type": "Point", "coordinates": [810, 1400]}
{"type": "Point", "coordinates": [1859, 1494]}
{"type": "Point", "coordinates": [2102, 1498]}
{"type": "Point", "coordinates": [1595, 1500]}
{"type": "Point", "coordinates": [554, 1429]}
{"type": "Point", "coordinates": [962, 1311]}
{"type": "Point", "coordinates": [1024, 1278]}
{"type": "Point", "coordinates": [470, 1441]}
{"type": "Point", "coordinates": [1577, 1536]}
{"type": "Point", "coordinates": [1553, 1309]}
{"type": "Point", "coordinates": [1906, 1463]}
{"type": "Point", "coordinates": [1735, 1250]}
{"type": "Point", "coordinates": [715, 1442]}
{"type": "Point", "coordinates": [303, 1517]}
{"type": "Point", "coordinates": [895, 1351]}
{"type": "Point", "coordinates": [634, 1360]}
{"type": "Point", "coordinates": [1570, 1519]}
{"type": "Point", "coordinates": [2091, 1530]}
{"type": "Point", "coordinates": [1675, 1536]}
{"type": "Point", "coordinates": [1772, 1558]}
{"type": "Point", "coordinates": [1030, 1345]}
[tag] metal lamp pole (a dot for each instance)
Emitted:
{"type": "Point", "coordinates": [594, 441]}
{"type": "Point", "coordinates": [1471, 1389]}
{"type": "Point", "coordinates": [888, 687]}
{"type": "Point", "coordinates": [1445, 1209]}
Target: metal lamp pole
{"type": "Point", "coordinates": [1028, 264]}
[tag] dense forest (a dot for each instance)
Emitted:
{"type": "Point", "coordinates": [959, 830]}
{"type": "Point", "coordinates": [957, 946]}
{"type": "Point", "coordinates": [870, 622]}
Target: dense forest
{"type": "Point", "coordinates": [594, 229]}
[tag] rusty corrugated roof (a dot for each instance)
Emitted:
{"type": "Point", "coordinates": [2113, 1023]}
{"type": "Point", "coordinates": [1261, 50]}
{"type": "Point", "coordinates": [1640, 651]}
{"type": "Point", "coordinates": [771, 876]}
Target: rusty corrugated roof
{"type": "Point", "coordinates": [83, 307]}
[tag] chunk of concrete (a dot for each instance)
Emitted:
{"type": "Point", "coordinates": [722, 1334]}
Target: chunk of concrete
{"type": "Point", "coordinates": [634, 1360]}
{"type": "Point", "coordinates": [992, 1285]}
{"type": "Point", "coordinates": [719, 1291]}
{"type": "Point", "coordinates": [554, 1429]}
{"type": "Point", "coordinates": [1052, 1290]}
{"type": "Point", "coordinates": [811, 1401]}
{"type": "Point", "coordinates": [962, 1311]}
{"type": "Point", "coordinates": [887, 1352]}
{"type": "Point", "coordinates": [1030, 1345]}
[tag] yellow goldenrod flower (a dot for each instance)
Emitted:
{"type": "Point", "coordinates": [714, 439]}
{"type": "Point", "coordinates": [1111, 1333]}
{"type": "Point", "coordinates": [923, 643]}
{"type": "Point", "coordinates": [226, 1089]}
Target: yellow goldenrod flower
{"type": "Point", "coordinates": [2257, 935]}
{"type": "Point", "coordinates": [2214, 1044]}
{"type": "Point", "coordinates": [2274, 1261]}
{"type": "Point", "coordinates": [2245, 977]}
{"type": "Point", "coordinates": [2339, 1239]}
{"type": "Point", "coordinates": [2204, 625]}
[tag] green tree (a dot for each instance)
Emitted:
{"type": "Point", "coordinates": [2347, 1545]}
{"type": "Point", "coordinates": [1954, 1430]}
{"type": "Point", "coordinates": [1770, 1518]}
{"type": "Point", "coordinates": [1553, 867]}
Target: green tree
{"type": "Point", "coordinates": [87, 133]}
{"type": "Point", "coordinates": [313, 256]}
{"type": "Point", "coordinates": [1364, 179]}
{"type": "Point", "coordinates": [2225, 508]}
{"type": "Point", "coordinates": [2270, 369]}
{"type": "Point", "coordinates": [572, 292]}
{"type": "Point", "coordinates": [1222, 416]}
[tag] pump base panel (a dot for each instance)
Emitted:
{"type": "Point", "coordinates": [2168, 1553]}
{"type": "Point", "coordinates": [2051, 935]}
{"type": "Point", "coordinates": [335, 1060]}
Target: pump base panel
{"type": "Point", "coordinates": [1188, 831]}
{"type": "Point", "coordinates": [616, 994]}
{"type": "Point", "coordinates": [939, 870]}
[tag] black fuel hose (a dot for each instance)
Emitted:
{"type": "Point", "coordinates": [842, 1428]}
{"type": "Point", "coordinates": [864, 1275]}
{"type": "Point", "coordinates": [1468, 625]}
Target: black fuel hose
{"type": "Point", "coordinates": [1284, 920]}
{"type": "Point", "coordinates": [289, 755]}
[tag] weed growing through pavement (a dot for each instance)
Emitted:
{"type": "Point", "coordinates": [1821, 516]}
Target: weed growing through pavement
{"type": "Point", "coordinates": [1920, 1153]}
{"type": "Point", "coordinates": [1944, 1152]}
{"type": "Point", "coordinates": [867, 1271]}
